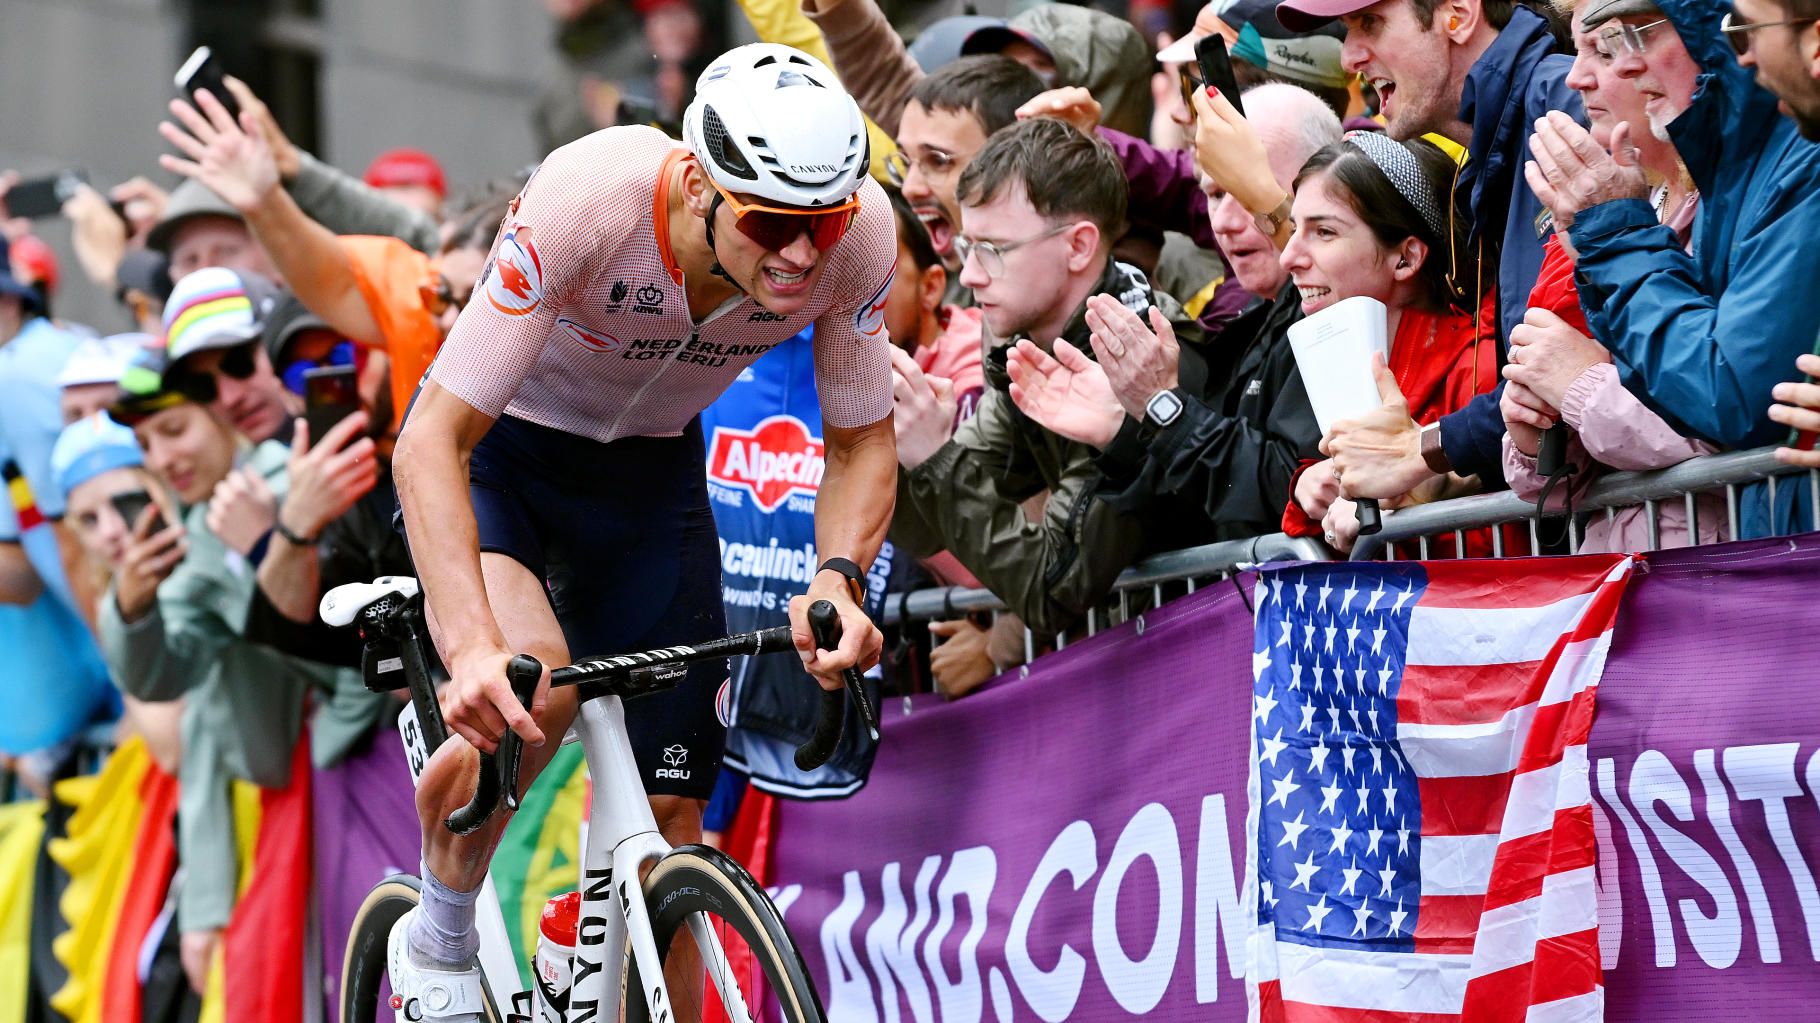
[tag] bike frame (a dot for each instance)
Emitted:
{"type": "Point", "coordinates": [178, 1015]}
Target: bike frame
{"type": "Point", "coordinates": [620, 838]}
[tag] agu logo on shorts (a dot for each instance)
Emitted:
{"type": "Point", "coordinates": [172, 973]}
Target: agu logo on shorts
{"type": "Point", "coordinates": [514, 282]}
{"type": "Point", "coordinates": [771, 461]}
{"type": "Point", "coordinates": [869, 319]}
{"type": "Point", "coordinates": [587, 337]}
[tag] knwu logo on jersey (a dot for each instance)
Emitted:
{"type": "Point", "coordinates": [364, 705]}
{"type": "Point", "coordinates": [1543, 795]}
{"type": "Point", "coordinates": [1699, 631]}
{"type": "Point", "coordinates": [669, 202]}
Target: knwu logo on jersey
{"type": "Point", "coordinates": [771, 461]}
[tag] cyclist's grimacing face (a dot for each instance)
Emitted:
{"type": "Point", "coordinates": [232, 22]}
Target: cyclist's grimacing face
{"type": "Point", "coordinates": [781, 281]}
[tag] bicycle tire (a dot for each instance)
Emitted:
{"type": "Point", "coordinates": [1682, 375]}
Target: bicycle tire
{"type": "Point", "coordinates": [363, 964]}
{"type": "Point", "coordinates": [698, 879]}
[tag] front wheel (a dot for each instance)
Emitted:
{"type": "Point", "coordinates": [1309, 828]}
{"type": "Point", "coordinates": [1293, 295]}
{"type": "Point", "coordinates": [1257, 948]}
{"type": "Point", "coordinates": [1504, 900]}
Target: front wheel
{"type": "Point", "coordinates": [752, 967]}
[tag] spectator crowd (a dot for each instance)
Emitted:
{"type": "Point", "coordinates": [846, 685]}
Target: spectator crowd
{"type": "Point", "coordinates": [1590, 227]}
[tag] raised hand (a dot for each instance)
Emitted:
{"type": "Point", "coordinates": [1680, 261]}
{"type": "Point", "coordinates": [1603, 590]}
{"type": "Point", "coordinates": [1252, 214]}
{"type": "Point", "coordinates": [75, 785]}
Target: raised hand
{"type": "Point", "coordinates": [233, 159]}
{"type": "Point", "coordinates": [1070, 103]}
{"type": "Point", "coordinates": [1066, 393]}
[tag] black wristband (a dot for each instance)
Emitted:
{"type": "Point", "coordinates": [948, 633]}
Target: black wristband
{"type": "Point", "coordinates": [278, 527]}
{"type": "Point", "coordinates": [856, 579]}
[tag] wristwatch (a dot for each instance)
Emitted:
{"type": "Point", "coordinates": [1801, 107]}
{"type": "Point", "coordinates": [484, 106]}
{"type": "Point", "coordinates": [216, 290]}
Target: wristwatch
{"type": "Point", "coordinates": [1432, 452]}
{"type": "Point", "coordinates": [1162, 408]}
{"type": "Point", "coordinates": [856, 579]}
{"type": "Point", "coordinates": [1272, 222]}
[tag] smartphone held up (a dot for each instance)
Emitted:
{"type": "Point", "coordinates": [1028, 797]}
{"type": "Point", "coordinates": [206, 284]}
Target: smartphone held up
{"type": "Point", "coordinates": [203, 71]}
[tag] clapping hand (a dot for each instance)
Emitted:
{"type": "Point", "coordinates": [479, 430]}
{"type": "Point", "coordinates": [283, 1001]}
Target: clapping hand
{"type": "Point", "coordinates": [1138, 360]}
{"type": "Point", "coordinates": [923, 409]}
{"type": "Point", "coordinates": [1066, 393]}
{"type": "Point", "coordinates": [1571, 172]}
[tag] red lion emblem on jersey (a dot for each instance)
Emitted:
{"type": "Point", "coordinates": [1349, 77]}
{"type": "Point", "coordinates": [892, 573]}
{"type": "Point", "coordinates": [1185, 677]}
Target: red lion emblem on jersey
{"type": "Point", "coordinates": [514, 282]}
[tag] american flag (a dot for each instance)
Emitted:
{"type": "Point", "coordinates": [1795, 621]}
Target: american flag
{"type": "Point", "coordinates": [1420, 828]}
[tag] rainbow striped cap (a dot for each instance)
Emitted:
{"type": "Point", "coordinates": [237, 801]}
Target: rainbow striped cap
{"type": "Point", "coordinates": [216, 307]}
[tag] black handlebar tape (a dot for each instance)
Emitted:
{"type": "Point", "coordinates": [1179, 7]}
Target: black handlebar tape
{"type": "Point", "coordinates": [852, 678]}
{"type": "Point", "coordinates": [824, 628]}
{"type": "Point", "coordinates": [499, 770]}
{"type": "Point", "coordinates": [1370, 519]}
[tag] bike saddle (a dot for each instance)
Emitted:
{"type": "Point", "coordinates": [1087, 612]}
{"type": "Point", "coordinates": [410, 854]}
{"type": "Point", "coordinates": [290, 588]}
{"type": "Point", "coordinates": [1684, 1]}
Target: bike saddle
{"type": "Point", "coordinates": [345, 603]}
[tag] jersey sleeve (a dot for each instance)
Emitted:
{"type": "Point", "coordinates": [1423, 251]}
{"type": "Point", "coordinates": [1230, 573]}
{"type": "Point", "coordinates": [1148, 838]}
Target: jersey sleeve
{"type": "Point", "coordinates": [543, 255]}
{"type": "Point", "coordinates": [852, 346]}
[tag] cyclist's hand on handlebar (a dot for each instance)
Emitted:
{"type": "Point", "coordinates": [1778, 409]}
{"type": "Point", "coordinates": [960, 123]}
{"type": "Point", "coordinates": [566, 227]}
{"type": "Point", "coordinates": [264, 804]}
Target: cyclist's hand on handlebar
{"type": "Point", "coordinates": [478, 703]}
{"type": "Point", "coordinates": [860, 641]}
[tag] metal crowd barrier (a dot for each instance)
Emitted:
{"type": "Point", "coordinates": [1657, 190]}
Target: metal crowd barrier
{"type": "Point", "coordinates": [1650, 490]}
{"type": "Point", "coordinates": [1173, 572]}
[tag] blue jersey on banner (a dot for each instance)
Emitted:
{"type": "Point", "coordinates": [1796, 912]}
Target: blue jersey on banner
{"type": "Point", "coordinates": [765, 464]}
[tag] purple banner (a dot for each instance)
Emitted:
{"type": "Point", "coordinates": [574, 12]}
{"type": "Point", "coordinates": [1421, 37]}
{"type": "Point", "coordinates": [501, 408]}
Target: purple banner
{"type": "Point", "coordinates": [365, 822]}
{"type": "Point", "coordinates": [1070, 845]}
{"type": "Point", "coordinates": [1705, 770]}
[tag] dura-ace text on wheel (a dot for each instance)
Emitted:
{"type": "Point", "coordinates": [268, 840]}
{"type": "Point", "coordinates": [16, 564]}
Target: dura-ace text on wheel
{"type": "Point", "coordinates": [762, 976]}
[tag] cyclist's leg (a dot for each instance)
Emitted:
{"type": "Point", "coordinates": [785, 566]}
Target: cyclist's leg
{"type": "Point", "coordinates": [520, 606]}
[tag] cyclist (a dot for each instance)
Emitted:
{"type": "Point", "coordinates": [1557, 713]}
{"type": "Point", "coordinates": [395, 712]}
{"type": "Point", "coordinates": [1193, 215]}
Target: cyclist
{"type": "Point", "coordinates": [550, 471]}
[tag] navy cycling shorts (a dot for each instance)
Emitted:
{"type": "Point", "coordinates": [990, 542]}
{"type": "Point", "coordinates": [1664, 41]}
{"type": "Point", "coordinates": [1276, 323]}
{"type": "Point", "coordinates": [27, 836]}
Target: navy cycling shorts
{"type": "Point", "coordinates": [623, 538]}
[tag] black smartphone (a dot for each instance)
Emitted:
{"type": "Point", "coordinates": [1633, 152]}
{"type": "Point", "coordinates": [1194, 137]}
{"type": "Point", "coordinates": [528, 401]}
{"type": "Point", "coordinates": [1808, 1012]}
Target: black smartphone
{"type": "Point", "coordinates": [131, 504]}
{"type": "Point", "coordinates": [1216, 69]}
{"type": "Point", "coordinates": [44, 197]}
{"type": "Point", "coordinates": [330, 394]}
{"type": "Point", "coordinates": [203, 71]}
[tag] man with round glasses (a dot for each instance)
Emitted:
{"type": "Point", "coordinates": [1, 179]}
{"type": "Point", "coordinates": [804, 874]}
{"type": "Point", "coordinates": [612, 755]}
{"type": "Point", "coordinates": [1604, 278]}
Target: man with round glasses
{"type": "Point", "coordinates": [550, 469]}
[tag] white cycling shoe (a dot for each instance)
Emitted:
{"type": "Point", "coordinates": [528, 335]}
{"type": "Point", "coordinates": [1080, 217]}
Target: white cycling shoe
{"type": "Point", "coordinates": [421, 995]}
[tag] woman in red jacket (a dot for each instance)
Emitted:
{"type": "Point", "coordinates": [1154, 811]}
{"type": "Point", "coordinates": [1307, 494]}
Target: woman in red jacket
{"type": "Point", "coordinates": [1376, 217]}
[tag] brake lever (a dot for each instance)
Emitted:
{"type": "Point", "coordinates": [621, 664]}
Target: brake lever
{"type": "Point", "coordinates": [499, 770]}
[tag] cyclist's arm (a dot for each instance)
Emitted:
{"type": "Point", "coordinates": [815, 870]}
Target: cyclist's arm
{"type": "Point", "coordinates": [430, 469]}
{"type": "Point", "coordinates": [858, 491]}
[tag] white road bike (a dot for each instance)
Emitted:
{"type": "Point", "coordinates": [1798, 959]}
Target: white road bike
{"type": "Point", "coordinates": [626, 930]}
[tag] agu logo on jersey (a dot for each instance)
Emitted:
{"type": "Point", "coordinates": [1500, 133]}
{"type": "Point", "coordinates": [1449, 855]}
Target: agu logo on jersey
{"type": "Point", "coordinates": [771, 461]}
{"type": "Point", "coordinates": [587, 337]}
{"type": "Point", "coordinates": [869, 319]}
{"type": "Point", "coordinates": [514, 283]}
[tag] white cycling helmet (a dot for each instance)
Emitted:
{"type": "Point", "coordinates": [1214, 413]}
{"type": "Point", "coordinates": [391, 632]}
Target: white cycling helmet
{"type": "Point", "coordinates": [771, 121]}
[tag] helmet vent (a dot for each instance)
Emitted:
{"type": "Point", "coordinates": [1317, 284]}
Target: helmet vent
{"type": "Point", "coordinates": [786, 79]}
{"type": "Point", "coordinates": [720, 146]}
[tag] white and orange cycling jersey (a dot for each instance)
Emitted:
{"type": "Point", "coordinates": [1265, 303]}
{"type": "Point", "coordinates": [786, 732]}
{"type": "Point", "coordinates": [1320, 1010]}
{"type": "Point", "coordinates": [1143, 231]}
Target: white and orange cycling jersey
{"type": "Point", "coordinates": [580, 322]}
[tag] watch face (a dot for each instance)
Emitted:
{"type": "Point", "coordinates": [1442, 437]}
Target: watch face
{"type": "Point", "coordinates": [1163, 408]}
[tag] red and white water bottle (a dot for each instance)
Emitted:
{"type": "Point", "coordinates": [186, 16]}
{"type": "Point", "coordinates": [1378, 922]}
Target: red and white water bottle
{"type": "Point", "coordinates": [554, 966]}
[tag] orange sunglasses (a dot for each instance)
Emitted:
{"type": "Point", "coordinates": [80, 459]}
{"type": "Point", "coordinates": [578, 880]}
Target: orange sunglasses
{"type": "Point", "coordinates": [775, 227]}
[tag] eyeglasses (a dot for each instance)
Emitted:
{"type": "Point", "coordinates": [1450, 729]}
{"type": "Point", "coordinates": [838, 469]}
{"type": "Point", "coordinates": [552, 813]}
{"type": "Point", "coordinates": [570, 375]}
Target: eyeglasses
{"type": "Point", "coordinates": [992, 256]}
{"type": "Point", "coordinates": [438, 296]}
{"type": "Point", "coordinates": [1625, 38]}
{"type": "Point", "coordinates": [237, 362]}
{"type": "Point", "coordinates": [934, 163]}
{"type": "Point", "coordinates": [343, 354]}
{"type": "Point", "coordinates": [774, 228]}
{"type": "Point", "coordinates": [1739, 31]}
